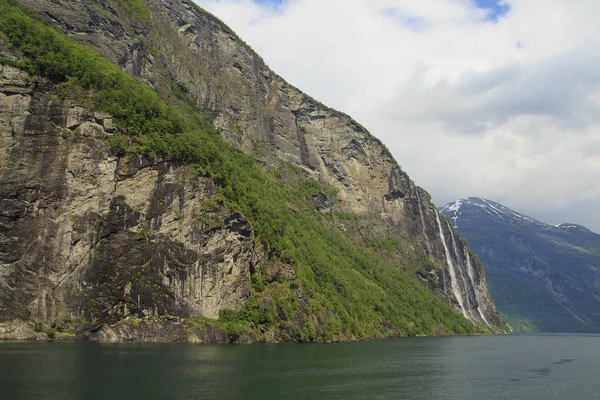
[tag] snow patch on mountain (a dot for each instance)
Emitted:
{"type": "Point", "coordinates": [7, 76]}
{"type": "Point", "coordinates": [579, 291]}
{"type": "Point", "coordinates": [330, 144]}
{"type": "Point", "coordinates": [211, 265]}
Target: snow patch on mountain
{"type": "Point", "coordinates": [493, 209]}
{"type": "Point", "coordinates": [453, 208]}
{"type": "Point", "coordinates": [569, 226]}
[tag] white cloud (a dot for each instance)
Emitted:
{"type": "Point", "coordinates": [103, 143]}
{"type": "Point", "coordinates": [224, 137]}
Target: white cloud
{"type": "Point", "coordinates": [507, 110]}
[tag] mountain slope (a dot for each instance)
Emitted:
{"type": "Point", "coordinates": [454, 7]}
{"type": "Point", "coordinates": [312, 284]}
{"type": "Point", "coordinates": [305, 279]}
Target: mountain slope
{"type": "Point", "coordinates": [222, 192]}
{"type": "Point", "coordinates": [540, 276]}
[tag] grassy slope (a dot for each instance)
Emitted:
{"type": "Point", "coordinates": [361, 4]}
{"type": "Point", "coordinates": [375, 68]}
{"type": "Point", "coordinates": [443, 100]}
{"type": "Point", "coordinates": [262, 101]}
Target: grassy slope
{"type": "Point", "coordinates": [347, 290]}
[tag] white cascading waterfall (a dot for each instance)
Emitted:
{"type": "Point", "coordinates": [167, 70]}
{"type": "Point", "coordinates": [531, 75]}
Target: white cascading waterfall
{"type": "Point", "coordinates": [429, 251]}
{"type": "Point", "coordinates": [460, 267]}
{"type": "Point", "coordinates": [453, 281]}
{"type": "Point", "coordinates": [472, 278]}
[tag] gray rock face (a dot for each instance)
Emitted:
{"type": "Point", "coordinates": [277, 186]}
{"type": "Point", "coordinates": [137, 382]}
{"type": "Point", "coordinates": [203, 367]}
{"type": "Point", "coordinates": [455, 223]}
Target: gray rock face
{"type": "Point", "coordinates": [89, 238]}
{"type": "Point", "coordinates": [260, 114]}
{"type": "Point", "coordinates": [19, 330]}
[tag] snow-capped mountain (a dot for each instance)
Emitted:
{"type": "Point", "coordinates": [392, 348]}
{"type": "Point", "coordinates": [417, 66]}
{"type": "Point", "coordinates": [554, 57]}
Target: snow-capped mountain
{"type": "Point", "coordinates": [541, 276]}
{"type": "Point", "coordinates": [476, 207]}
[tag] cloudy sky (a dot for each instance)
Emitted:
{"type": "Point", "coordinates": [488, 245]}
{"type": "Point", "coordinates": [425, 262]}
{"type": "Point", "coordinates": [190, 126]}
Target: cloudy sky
{"type": "Point", "coordinates": [491, 98]}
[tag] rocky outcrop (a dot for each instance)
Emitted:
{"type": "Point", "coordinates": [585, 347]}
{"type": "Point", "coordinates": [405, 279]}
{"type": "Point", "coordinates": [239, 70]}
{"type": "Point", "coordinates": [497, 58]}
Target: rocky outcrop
{"type": "Point", "coordinates": [256, 110]}
{"type": "Point", "coordinates": [102, 204]}
{"type": "Point", "coordinates": [19, 330]}
{"type": "Point", "coordinates": [262, 115]}
{"type": "Point", "coordinates": [88, 238]}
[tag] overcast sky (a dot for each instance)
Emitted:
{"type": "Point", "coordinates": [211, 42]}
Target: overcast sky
{"type": "Point", "coordinates": [496, 99]}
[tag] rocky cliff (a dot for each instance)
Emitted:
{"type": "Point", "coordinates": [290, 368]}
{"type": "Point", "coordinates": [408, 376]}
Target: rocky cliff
{"type": "Point", "coordinates": [88, 232]}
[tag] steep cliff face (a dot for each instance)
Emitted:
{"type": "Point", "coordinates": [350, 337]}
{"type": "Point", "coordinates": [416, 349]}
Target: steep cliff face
{"type": "Point", "coordinates": [256, 110]}
{"type": "Point", "coordinates": [89, 238]}
{"type": "Point", "coordinates": [148, 204]}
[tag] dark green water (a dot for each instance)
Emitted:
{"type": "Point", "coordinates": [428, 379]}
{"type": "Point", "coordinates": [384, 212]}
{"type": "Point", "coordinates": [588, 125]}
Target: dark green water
{"type": "Point", "coordinates": [483, 367]}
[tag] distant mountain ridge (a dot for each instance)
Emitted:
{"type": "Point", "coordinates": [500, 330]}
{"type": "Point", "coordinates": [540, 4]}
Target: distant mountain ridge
{"type": "Point", "coordinates": [542, 277]}
{"type": "Point", "coordinates": [494, 209]}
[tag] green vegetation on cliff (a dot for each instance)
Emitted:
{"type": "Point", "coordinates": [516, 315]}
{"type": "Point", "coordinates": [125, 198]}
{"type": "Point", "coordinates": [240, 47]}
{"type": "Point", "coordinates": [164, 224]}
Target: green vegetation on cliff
{"type": "Point", "coordinates": [341, 289]}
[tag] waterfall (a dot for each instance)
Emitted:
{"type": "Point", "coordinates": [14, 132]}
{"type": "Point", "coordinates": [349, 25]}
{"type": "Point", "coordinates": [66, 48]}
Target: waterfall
{"type": "Point", "coordinates": [472, 278]}
{"type": "Point", "coordinates": [453, 281]}
{"type": "Point", "coordinates": [429, 251]}
{"type": "Point", "coordinates": [460, 269]}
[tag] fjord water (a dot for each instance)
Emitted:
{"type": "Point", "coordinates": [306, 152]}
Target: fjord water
{"type": "Point", "coordinates": [491, 367]}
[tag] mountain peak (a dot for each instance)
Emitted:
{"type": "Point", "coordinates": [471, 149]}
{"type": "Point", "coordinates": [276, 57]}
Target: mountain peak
{"type": "Point", "coordinates": [572, 227]}
{"type": "Point", "coordinates": [541, 276]}
{"type": "Point", "coordinates": [477, 205]}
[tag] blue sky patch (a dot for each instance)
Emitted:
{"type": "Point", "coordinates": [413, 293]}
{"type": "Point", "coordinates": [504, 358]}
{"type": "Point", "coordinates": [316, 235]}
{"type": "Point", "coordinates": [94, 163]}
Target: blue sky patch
{"type": "Point", "coordinates": [496, 8]}
{"type": "Point", "coordinates": [273, 3]}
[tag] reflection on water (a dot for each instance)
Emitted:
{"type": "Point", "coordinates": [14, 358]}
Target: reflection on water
{"type": "Point", "coordinates": [491, 367]}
